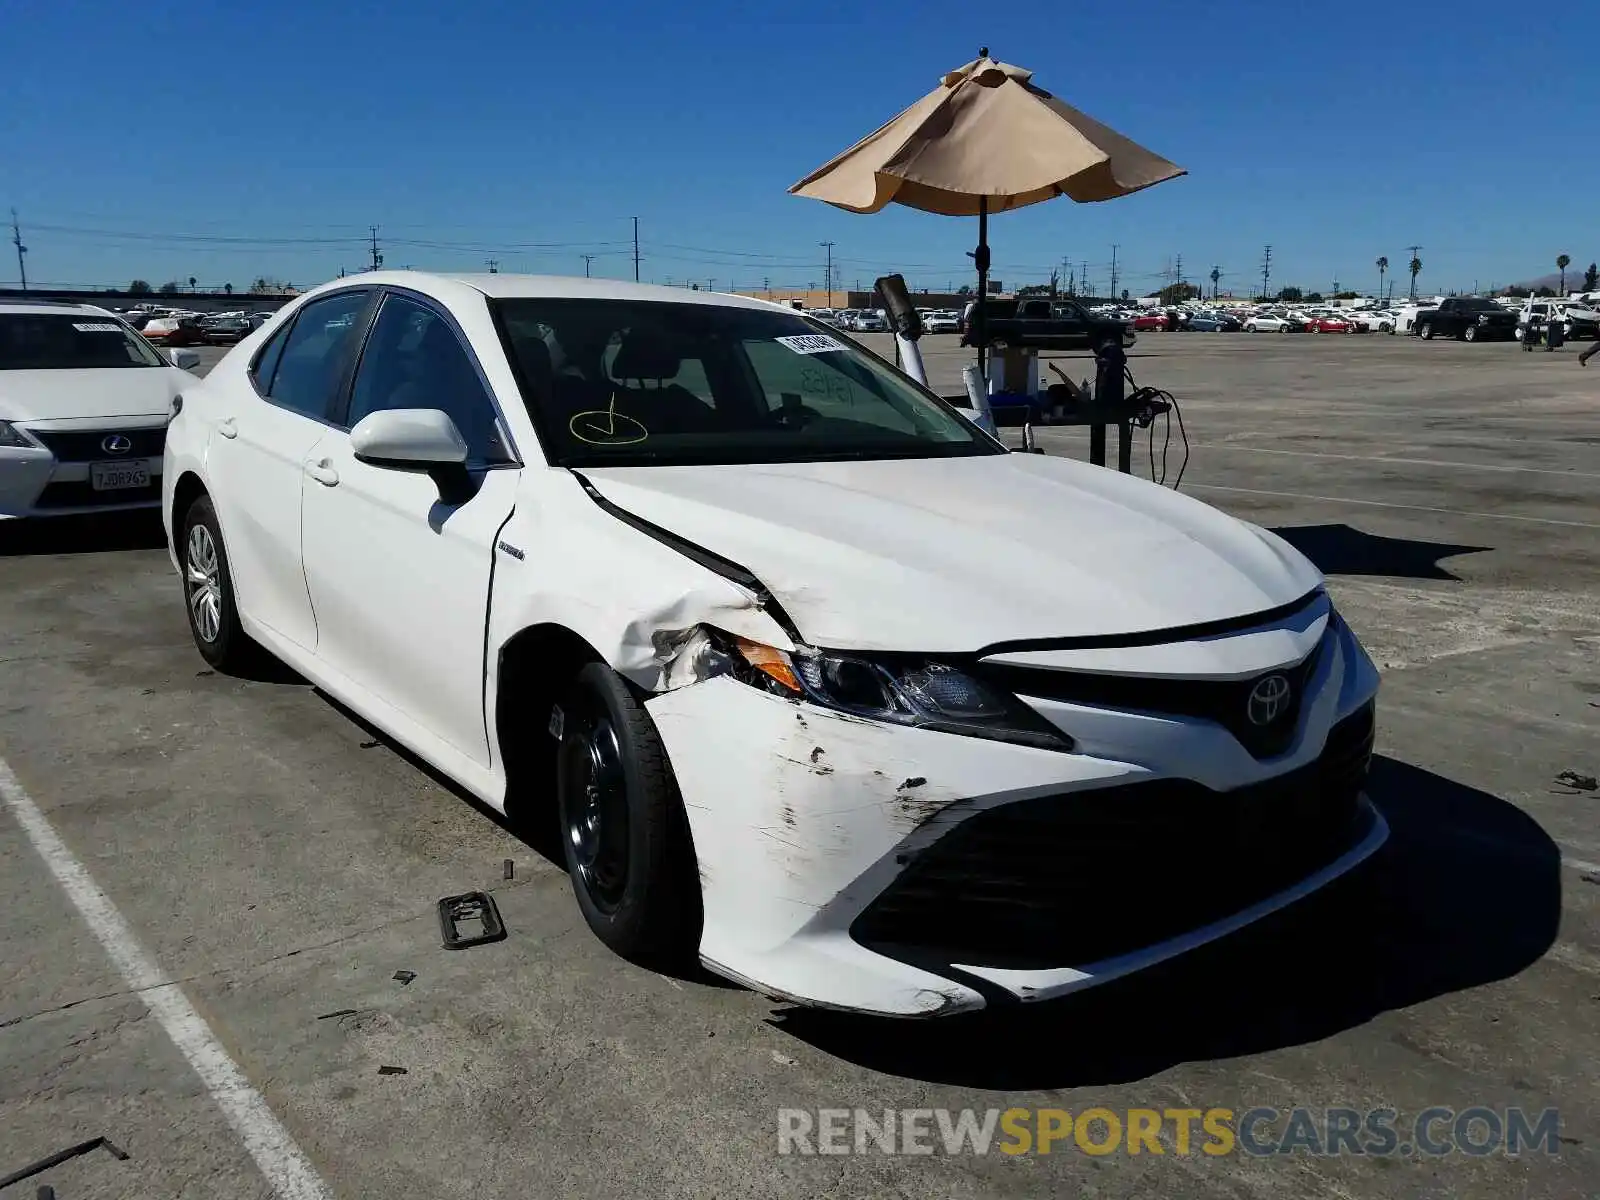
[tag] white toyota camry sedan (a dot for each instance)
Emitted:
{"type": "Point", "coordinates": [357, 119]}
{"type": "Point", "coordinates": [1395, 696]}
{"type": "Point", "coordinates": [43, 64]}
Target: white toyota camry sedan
{"type": "Point", "coordinates": [824, 684]}
{"type": "Point", "coordinates": [84, 403]}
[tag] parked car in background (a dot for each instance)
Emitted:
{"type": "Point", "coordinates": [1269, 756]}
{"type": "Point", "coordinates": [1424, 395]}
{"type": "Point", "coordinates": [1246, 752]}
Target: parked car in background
{"type": "Point", "coordinates": [1330, 324]}
{"type": "Point", "coordinates": [84, 405]}
{"type": "Point", "coordinates": [869, 321]}
{"type": "Point", "coordinates": [225, 331]}
{"type": "Point", "coordinates": [1577, 321]}
{"type": "Point", "coordinates": [1407, 315]}
{"type": "Point", "coordinates": [175, 331]}
{"type": "Point", "coordinates": [1061, 324]}
{"type": "Point", "coordinates": [1274, 323]}
{"type": "Point", "coordinates": [1469, 318]}
{"type": "Point", "coordinates": [1373, 320]}
{"type": "Point", "coordinates": [941, 321]}
{"type": "Point", "coordinates": [1213, 322]}
{"type": "Point", "coordinates": [644, 603]}
{"type": "Point", "coordinates": [1149, 322]}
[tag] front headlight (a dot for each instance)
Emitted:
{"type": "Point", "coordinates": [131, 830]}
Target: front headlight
{"type": "Point", "coordinates": [15, 438]}
{"type": "Point", "coordinates": [908, 690]}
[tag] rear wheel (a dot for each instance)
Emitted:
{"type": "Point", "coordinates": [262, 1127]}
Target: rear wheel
{"type": "Point", "coordinates": [624, 835]}
{"type": "Point", "coordinates": [208, 592]}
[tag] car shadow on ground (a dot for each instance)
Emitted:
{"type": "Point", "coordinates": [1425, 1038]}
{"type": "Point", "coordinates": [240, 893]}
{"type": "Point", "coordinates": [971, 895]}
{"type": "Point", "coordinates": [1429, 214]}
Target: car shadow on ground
{"type": "Point", "coordinates": [1345, 550]}
{"type": "Point", "coordinates": [1468, 891]}
{"type": "Point", "coordinates": [96, 533]}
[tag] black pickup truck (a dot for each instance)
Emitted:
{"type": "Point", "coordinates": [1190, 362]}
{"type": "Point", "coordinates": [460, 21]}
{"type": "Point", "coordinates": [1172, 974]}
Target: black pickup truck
{"type": "Point", "coordinates": [1468, 318]}
{"type": "Point", "coordinates": [1042, 324]}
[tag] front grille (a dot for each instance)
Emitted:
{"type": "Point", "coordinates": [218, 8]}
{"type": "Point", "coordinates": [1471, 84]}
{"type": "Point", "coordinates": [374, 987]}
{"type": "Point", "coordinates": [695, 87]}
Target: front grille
{"type": "Point", "coordinates": [79, 494]}
{"type": "Point", "coordinates": [84, 445]}
{"type": "Point", "coordinates": [1074, 879]}
{"type": "Point", "coordinates": [1226, 702]}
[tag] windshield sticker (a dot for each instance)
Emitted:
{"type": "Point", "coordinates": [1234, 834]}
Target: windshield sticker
{"type": "Point", "coordinates": [101, 327]}
{"type": "Point", "coordinates": [607, 428]}
{"type": "Point", "coordinates": [810, 343]}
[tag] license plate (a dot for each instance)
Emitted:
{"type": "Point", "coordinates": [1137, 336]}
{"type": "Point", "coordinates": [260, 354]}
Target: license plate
{"type": "Point", "coordinates": [112, 476]}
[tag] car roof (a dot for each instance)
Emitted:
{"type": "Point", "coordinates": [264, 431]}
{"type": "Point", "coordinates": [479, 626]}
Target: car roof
{"type": "Point", "coordinates": [58, 307]}
{"type": "Point", "coordinates": [504, 286]}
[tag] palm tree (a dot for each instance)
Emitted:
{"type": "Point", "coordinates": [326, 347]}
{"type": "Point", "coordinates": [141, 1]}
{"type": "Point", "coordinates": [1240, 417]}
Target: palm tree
{"type": "Point", "coordinates": [228, 288]}
{"type": "Point", "coordinates": [1383, 267]}
{"type": "Point", "coordinates": [1216, 274]}
{"type": "Point", "coordinates": [191, 283]}
{"type": "Point", "coordinates": [1416, 269]}
{"type": "Point", "coordinates": [1563, 261]}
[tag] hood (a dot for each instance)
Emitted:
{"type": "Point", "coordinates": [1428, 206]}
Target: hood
{"type": "Point", "coordinates": [113, 392]}
{"type": "Point", "coordinates": [957, 554]}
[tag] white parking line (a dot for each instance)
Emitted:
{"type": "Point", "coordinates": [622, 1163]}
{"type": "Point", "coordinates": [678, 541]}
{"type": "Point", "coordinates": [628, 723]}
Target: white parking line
{"type": "Point", "coordinates": [1450, 512]}
{"type": "Point", "coordinates": [1379, 459]}
{"type": "Point", "coordinates": [282, 1162]}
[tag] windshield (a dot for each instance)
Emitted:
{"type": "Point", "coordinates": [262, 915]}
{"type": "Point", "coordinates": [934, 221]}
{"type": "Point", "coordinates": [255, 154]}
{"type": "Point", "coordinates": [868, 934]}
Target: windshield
{"type": "Point", "coordinates": [623, 382]}
{"type": "Point", "coordinates": [65, 341]}
{"type": "Point", "coordinates": [1478, 305]}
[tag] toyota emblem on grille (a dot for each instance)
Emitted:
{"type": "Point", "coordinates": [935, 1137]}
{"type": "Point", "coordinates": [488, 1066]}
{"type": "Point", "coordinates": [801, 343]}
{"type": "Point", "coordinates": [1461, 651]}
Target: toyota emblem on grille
{"type": "Point", "coordinates": [1269, 699]}
{"type": "Point", "coordinates": [116, 443]}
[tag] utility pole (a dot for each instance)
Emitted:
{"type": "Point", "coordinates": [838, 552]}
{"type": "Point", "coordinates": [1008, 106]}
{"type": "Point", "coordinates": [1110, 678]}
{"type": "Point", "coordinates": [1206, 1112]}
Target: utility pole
{"type": "Point", "coordinates": [828, 278]}
{"type": "Point", "coordinates": [1266, 271]}
{"type": "Point", "coordinates": [636, 249]}
{"type": "Point", "coordinates": [766, 285]}
{"type": "Point", "coordinates": [493, 264]}
{"type": "Point", "coordinates": [377, 258]}
{"type": "Point", "coordinates": [1084, 290]}
{"type": "Point", "coordinates": [1069, 276]}
{"type": "Point", "coordinates": [1114, 292]}
{"type": "Point", "coordinates": [16, 240]}
{"type": "Point", "coordinates": [587, 259]}
{"type": "Point", "coordinates": [1177, 272]}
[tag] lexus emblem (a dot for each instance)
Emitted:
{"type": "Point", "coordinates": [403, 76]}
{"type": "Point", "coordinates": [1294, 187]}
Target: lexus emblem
{"type": "Point", "coordinates": [1269, 699]}
{"type": "Point", "coordinates": [116, 443]}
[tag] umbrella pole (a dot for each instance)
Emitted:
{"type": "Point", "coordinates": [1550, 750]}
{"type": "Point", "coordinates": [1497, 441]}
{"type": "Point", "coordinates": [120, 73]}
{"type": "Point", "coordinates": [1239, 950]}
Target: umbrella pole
{"type": "Point", "coordinates": [980, 258]}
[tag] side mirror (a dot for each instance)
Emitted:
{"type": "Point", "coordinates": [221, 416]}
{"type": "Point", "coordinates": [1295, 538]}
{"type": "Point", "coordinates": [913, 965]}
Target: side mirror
{"type": "Point", "coordinates": [184, 360]}
{"type": "Point", "coordinates": [409, 439]}
{"type": "Point", "coordinates": [416, 439]}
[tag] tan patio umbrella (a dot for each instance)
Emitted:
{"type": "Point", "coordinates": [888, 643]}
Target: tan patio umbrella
{"type": "Point", "coordinates": [986, 140]}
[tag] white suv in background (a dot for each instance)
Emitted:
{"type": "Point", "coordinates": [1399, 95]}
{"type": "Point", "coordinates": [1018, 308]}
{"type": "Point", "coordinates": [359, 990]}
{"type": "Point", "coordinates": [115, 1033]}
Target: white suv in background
{"type": "Point", "coordinates": [84, 405]}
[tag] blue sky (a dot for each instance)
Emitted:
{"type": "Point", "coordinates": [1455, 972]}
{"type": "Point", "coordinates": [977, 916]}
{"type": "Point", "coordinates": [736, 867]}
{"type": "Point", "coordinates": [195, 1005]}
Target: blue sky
{"type": "Point", "coordinates": [137, 139]}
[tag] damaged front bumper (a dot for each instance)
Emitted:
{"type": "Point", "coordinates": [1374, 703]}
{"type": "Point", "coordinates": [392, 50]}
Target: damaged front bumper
{"type": "Point", "coordinates": [865, 866]}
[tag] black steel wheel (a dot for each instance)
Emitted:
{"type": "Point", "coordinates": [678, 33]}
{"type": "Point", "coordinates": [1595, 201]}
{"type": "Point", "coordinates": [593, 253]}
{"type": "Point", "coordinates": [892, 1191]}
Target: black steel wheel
{"type": "Point", "coordinates": [623, 831]}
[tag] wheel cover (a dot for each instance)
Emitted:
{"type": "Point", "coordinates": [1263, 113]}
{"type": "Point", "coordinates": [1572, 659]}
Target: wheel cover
{"type": "Point", "coordinates": [202, 575]}
{"type": "Point", "coordinates": [597, 815]}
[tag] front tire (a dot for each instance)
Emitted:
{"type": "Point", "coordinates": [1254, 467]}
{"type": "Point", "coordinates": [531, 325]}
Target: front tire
{"type": "Point", "coordinates": [208, 592]}
{"type": "Point", "coordinates": [624, 835]}
{"type": "Point", "coordinates": [1425, 332]}
{"type": "Point", "coordinates": [1470, 333]}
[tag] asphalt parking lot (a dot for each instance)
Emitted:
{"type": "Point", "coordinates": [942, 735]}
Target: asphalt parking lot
{"type": "Point", "coordinates": [280, 862]}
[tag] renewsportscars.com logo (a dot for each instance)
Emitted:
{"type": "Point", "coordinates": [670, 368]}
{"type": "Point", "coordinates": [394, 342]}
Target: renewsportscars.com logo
{"type": "Point", "coordinates": [1380, 1132]}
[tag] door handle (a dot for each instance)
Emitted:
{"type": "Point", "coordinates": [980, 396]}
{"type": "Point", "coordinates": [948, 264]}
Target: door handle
{"type": "Point", "coordinates": [323, 473]}
{"type": "Point", "coordinates": [228, 427]}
